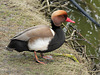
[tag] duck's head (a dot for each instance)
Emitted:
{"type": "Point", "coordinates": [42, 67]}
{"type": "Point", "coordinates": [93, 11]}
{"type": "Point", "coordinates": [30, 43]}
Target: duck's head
{"type": "Point", "coordinates": [60, 16]}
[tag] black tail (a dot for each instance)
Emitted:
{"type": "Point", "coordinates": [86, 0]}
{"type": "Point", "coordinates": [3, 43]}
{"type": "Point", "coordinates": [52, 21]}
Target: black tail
{"type": "Point", "coordinates": [18, 45]}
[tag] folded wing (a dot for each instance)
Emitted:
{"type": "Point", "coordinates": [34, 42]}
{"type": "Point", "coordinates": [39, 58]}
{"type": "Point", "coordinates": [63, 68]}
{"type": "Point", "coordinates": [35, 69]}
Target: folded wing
{"type": "Point", "coordinates": [36, 31]}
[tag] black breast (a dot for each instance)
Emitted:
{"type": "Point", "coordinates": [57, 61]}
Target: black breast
{"type": "Point", "coordinates": [58, 40]}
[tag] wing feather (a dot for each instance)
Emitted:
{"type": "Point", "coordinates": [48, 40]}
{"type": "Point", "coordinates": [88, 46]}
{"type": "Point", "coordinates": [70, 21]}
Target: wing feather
{"type": "Point", "coordinates": [36, 31]}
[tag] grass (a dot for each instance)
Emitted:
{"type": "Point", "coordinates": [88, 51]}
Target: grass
{"type": "Point", "coordinates": [17, 15]}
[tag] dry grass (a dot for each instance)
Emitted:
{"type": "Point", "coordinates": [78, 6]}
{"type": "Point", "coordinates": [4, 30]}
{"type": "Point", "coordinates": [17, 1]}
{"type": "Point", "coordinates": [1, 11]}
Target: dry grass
{"type": "Point", "coordinates": [17, 15]}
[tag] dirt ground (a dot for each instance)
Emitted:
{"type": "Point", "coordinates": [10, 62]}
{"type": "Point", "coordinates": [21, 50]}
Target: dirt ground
{"type": "Point", "coordinates": [17, 15]}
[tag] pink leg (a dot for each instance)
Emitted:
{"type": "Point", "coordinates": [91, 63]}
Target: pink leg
{"type": "Point", "coordinates": [37, 58]}
{"type": "Point", "coordinates": [46, 57]}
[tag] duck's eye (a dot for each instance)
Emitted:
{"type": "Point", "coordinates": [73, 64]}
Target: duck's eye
{"type": "Point", "coordinates": [65, 16]}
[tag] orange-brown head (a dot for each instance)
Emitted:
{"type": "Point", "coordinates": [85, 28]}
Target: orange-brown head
{"type": "Point", "coordinates": [60, 16]}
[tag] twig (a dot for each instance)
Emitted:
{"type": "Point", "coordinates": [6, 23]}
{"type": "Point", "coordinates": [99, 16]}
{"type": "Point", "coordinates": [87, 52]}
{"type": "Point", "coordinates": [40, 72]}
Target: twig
{"type": "Point", "coordinates": [56, 5]}
{"type": "Point", "coordinates": [83, 37]}
{"type": "Point", "coordinates": [48, 5]}
{"type": "Point", "coordinates": [43, 3]}
{"type": "Point", "coordinates": [71, 36]}
{"type": "Point", "coordinates": [65, 26]}
{"type": "Point", "coordinates": [92, 57]}
{"type": "Point", "coordinates": [94, 71]}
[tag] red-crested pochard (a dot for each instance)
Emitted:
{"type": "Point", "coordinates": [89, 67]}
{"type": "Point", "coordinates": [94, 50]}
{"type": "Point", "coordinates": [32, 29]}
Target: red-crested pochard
{"type": "Point", "coordinates": [41, 38]}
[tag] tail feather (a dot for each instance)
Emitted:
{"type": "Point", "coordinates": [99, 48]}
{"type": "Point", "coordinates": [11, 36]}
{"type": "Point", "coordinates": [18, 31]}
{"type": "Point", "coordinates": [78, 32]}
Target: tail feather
{"type": "Point", "coordinates": [18, 45]}
{"type": "Point", "coordinates": [9, 49]}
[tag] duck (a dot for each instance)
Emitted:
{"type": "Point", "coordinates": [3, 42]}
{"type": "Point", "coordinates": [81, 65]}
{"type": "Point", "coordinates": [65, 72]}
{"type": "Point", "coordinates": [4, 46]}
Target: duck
{"type": "Point", "coordinates": [41, 38]}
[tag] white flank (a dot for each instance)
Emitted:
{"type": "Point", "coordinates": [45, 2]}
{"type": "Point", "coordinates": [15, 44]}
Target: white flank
{"type": "Point", "coordinates": [39, 44]}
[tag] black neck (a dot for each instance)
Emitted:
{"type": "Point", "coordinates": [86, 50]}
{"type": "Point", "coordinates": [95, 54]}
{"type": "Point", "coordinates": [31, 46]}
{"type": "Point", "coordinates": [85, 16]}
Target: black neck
{"type": "Point", "coordinates": [53, 25]}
